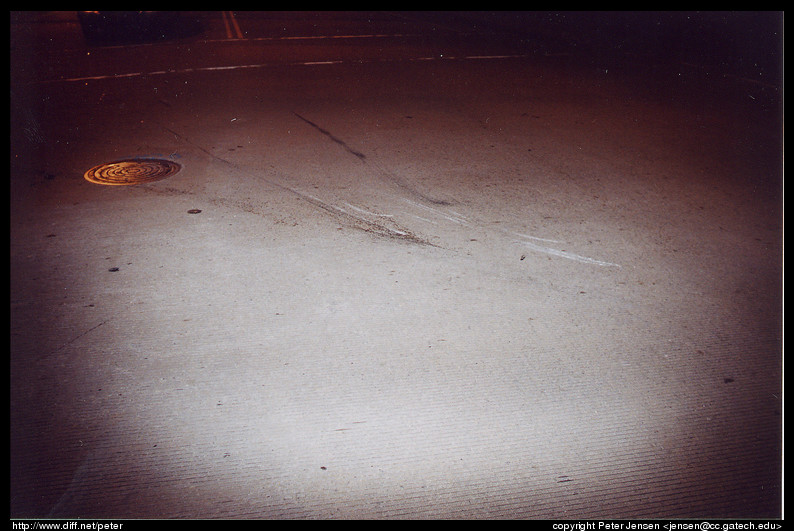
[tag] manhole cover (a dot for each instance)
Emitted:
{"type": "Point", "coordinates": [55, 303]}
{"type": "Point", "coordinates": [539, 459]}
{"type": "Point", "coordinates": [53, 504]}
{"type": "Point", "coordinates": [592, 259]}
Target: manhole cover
{"type": "Point", "coordinates": [132, 171]}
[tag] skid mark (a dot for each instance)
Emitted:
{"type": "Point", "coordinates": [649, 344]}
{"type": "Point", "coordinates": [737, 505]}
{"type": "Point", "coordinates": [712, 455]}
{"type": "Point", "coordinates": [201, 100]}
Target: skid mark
{"type": "Point", "coordinates": [362, 211]}
{"type": "Point", "coordinates": [372, 227]}
{"type": "Point", "coordinates": [426, 220]}
{"type": "Point", "coordinates": [359, 222]}
{"type": "Point", "coordinates": [339, 141]}
{"type": "Point", "coordinates": [460, 219]}
{"type": "Point", "coordinates": [528, 237]}
{"type": "Point", "coordinates": [455, 218]}
{"type": "Point", "coordinates": [566, 254]}
{"type": "Point", "coordinates": [395, 231]}
{"type": "Point", "coordinates": [382, 173]}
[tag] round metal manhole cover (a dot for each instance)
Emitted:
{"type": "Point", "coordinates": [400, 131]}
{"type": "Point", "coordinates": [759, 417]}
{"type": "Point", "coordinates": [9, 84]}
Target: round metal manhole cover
{"type": "Point", "coordinates": [132, 171]}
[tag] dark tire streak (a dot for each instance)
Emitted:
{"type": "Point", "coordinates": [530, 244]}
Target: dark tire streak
{"type": "Point", "coordinates": [368, 226]}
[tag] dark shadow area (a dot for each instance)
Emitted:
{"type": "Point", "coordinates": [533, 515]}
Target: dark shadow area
{"type": "Point", "coordinates": [113, 28]}
{"type": "Point", "coordinates": [744, 43]}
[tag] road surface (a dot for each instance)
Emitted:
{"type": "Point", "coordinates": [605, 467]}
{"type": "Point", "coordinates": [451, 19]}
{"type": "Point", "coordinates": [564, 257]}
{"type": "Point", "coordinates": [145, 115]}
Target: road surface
{"type": "Point", "coordinates": [412, 265]}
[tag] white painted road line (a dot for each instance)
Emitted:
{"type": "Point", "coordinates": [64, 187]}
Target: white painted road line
{"type": "Point", "coordinates": [257, 65]}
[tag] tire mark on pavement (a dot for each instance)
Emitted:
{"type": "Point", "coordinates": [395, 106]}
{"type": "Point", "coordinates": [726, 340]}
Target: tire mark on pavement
{"type": "Point", "coordinates": [383, 173]}
{"type": "Point", "coordinates": [366, 225]}
{"type": "Point", "coordinates": [342, 143]}
{"type": "Point", "coordinates": [361, 223]}
{"type": "Point", "coordinates": [395, 231]}
{"type": "Point", "coordinates": [568, 255]}
{"type": "Point", "coordinates": [460, 219]}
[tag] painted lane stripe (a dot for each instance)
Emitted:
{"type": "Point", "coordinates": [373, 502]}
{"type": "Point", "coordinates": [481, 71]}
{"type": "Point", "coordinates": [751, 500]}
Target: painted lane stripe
{"type": "Point", "coordinates": [257, 65]}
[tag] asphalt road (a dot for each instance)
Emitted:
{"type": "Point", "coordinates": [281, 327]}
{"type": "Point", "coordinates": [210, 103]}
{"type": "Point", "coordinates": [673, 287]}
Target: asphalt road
{"type": "Point", "coordinates": [413, 265]}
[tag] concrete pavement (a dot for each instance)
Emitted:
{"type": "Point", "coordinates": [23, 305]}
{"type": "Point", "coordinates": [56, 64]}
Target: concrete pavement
{"type": "Point", "coordinates": [484, 289]}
